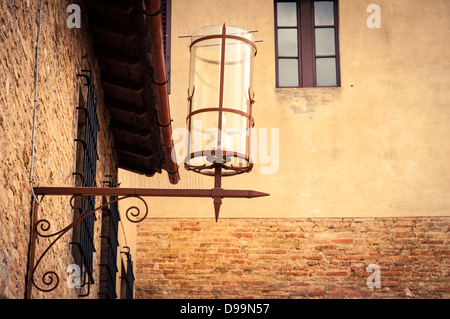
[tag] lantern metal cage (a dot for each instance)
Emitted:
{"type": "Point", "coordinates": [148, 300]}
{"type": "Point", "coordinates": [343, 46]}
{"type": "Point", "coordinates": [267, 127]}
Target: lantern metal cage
{"type": "Point", "coordinates": [221, 99]}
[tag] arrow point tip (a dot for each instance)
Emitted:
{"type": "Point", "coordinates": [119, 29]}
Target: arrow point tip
{"type": "Point", "coordinates": [258, 194]}
{"type": "Point", "coordinates": [217, 203]}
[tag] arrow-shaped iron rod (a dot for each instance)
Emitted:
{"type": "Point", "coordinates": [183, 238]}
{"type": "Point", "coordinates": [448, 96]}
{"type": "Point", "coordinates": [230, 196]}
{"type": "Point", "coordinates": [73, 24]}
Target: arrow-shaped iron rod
{"type": "Point", "coordinates": [145, 192]}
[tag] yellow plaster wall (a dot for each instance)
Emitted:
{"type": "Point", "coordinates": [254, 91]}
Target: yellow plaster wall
{"type": "Point", "coordinates": [376, 146]}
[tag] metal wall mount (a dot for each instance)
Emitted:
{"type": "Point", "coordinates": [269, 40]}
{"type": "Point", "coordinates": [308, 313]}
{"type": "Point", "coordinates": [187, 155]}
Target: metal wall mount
{"type": "Point", "coordinates": [40, 227]}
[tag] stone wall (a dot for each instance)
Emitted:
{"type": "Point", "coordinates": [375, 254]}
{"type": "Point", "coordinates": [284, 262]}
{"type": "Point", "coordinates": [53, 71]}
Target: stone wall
{"type": "Point", "coordinates": [293, 258]}
{"type": "Point", "coordinates": [63, 52]}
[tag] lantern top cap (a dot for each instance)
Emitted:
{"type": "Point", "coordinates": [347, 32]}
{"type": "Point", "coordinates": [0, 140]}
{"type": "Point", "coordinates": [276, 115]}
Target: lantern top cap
{"type": "Point", "coordinates": [223, 31]}
{"type": "Point", "coordinates": [218, 29]}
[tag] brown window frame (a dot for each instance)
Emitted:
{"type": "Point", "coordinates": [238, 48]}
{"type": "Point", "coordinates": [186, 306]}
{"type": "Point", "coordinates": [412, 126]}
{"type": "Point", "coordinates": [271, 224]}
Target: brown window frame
{"type": "Point", "coordinates": [306, 44]}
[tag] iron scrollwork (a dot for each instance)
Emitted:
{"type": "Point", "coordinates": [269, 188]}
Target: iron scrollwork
{"type": "Point", "coordinates": [50, 279]}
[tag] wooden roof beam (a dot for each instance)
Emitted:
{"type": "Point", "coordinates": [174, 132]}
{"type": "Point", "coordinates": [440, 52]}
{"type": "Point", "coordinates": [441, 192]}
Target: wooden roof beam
{"type": "Point", "coordinates": [132, 150]}
{"type": "Point", "coordinates": [130, 129]}
{"type": "Point", "coordinates": [113, 30]}
{"type": "Point", "coordinates": [118, 6]}
{"type": "Point", "coordinates": [132, 109]}
{"type": "Point", "coordinates": [118, 58]}
{"type": "Point", "coordinates": [122, 84]}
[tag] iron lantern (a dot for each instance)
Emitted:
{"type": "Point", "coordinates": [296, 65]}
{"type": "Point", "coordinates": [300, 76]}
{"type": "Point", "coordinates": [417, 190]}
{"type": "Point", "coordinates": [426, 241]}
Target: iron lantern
{"type": "Point", "coordinates": [220, 99]}
{"type": "Point", "coordinates": [220, 104]}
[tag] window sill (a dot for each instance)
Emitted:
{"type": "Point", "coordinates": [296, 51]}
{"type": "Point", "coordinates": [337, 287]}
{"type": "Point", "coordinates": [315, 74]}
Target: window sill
{"type": "Point", "coordinates": [314, 88]}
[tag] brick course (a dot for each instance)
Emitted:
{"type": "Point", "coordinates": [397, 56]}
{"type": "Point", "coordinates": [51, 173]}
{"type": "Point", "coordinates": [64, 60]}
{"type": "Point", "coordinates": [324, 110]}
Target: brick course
{"type": "Point", "coordinates": [293, 258]}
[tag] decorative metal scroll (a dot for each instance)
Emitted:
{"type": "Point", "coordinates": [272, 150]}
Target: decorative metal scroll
{"type": "Point", "coordinates": [50, 279]}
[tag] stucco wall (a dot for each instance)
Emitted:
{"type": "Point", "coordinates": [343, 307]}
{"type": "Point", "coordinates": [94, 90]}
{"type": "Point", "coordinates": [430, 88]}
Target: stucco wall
{"type": "Point", "coordinates": [362, 176]}
{"type": "Point", "coordinates": [376, 146]}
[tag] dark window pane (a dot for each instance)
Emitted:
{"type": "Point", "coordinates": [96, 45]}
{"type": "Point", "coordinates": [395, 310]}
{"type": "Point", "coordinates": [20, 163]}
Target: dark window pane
{"type": "Point", "coordinates": [323, 13]}
{"type": "Point", "coordinates": [287, 14]}
{"type": "Point", "coordinates": [325, 43]}
{"type": "Point", "coordinates": [288, 72]}
{"type": "Point", "coordinates": [287, 42]}
{"type": "Point", "coordinates": [326, 71]}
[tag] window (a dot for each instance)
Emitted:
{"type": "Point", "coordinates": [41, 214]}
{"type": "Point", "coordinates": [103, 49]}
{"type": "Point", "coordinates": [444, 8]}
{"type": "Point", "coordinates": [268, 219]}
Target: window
{"type": "Point", "coordinates": [108, 259]}
{"type": "Point", "coordinates": [306, 41]}
{"type": "Point", "coordinates": [85, 175]}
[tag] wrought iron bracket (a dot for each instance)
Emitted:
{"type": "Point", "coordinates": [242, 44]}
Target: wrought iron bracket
{"type": "Point", "coordinates": [41, 227]}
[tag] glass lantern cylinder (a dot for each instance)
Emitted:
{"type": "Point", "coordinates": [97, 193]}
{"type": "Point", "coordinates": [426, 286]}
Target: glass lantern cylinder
{"type": "Point", "coordinates": [220, 99]}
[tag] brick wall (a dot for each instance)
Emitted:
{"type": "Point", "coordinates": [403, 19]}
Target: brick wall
{"type": "Point", "coordinates": [293, 258]}
{"type": "Point", "coordinates": [63, 52]}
